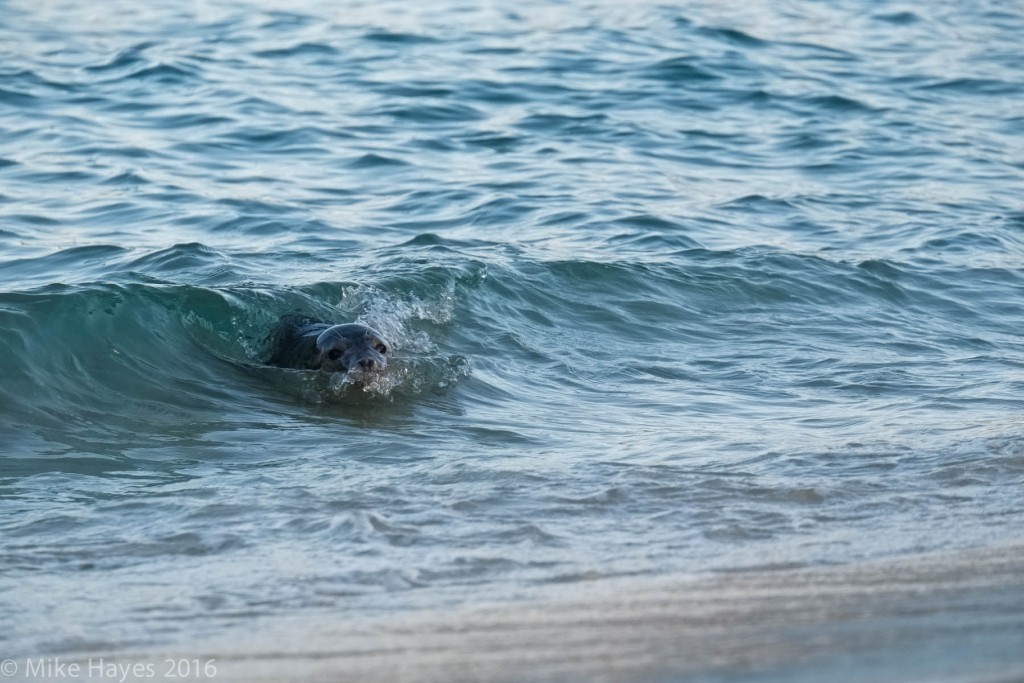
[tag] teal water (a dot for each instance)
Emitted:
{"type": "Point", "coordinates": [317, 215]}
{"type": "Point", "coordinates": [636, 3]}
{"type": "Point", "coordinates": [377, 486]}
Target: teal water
{"type": "Point", "coordinates": [673, 288]}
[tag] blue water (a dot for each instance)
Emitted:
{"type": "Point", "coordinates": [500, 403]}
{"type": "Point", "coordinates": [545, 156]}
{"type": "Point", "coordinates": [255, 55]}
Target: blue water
{"type": "Point", "coordinates": [688, 287]}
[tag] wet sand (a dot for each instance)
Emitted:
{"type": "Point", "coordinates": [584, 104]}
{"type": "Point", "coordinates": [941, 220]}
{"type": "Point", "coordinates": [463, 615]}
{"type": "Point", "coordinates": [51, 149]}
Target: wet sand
{"type": "Point", "coordinates": [938, 617]}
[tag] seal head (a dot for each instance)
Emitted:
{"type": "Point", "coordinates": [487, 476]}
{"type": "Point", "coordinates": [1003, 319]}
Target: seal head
{"type": "Point", "coordinates": [352, 348]}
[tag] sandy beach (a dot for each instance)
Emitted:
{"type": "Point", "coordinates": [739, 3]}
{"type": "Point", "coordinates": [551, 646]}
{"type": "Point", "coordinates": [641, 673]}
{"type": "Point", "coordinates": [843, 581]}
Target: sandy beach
{"type": "Point", "coordinates": [934, 617]}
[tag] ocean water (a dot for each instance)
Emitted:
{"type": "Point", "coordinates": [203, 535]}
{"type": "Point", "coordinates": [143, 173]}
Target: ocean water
{"type": "Point", "coordinates": [684, 287]}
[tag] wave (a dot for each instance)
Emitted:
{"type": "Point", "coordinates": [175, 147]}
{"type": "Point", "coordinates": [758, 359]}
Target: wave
{"type": "Point", "coordinates": [99, 363]}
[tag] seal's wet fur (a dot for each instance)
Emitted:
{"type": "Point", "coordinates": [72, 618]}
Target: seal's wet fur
{"type": "Point", "coordinates": [309, 344]}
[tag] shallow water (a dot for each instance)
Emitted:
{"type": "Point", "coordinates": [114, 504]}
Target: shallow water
{"type": "Point", "coordinates": [672, 289]}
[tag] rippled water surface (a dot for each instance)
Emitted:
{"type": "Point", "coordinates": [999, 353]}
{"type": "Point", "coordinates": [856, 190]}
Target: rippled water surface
{"type": "Point", "coordinates": [684, 287]}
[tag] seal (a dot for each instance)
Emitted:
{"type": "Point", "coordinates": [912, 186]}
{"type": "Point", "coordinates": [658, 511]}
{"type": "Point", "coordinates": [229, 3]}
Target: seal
{"type": "Point", "coordinates": [352, 348]}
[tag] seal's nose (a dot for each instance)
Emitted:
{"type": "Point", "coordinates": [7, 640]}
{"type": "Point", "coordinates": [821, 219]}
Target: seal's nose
{"type": "Point", "coordinates": [368, 364]}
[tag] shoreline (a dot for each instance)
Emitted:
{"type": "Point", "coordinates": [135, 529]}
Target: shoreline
{"type": "Point", "coordinates": [935, 617]}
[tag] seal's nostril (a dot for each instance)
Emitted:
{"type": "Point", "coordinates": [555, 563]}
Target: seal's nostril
{"type": "Point", "coordinates": [367, 364]}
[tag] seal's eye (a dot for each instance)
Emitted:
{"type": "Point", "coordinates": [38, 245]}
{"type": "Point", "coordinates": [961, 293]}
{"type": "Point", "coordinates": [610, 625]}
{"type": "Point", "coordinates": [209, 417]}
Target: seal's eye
{"type": "Point", "coordinates": [334, 354]}
{"type": "Point", "coordinates": [382, 348]}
